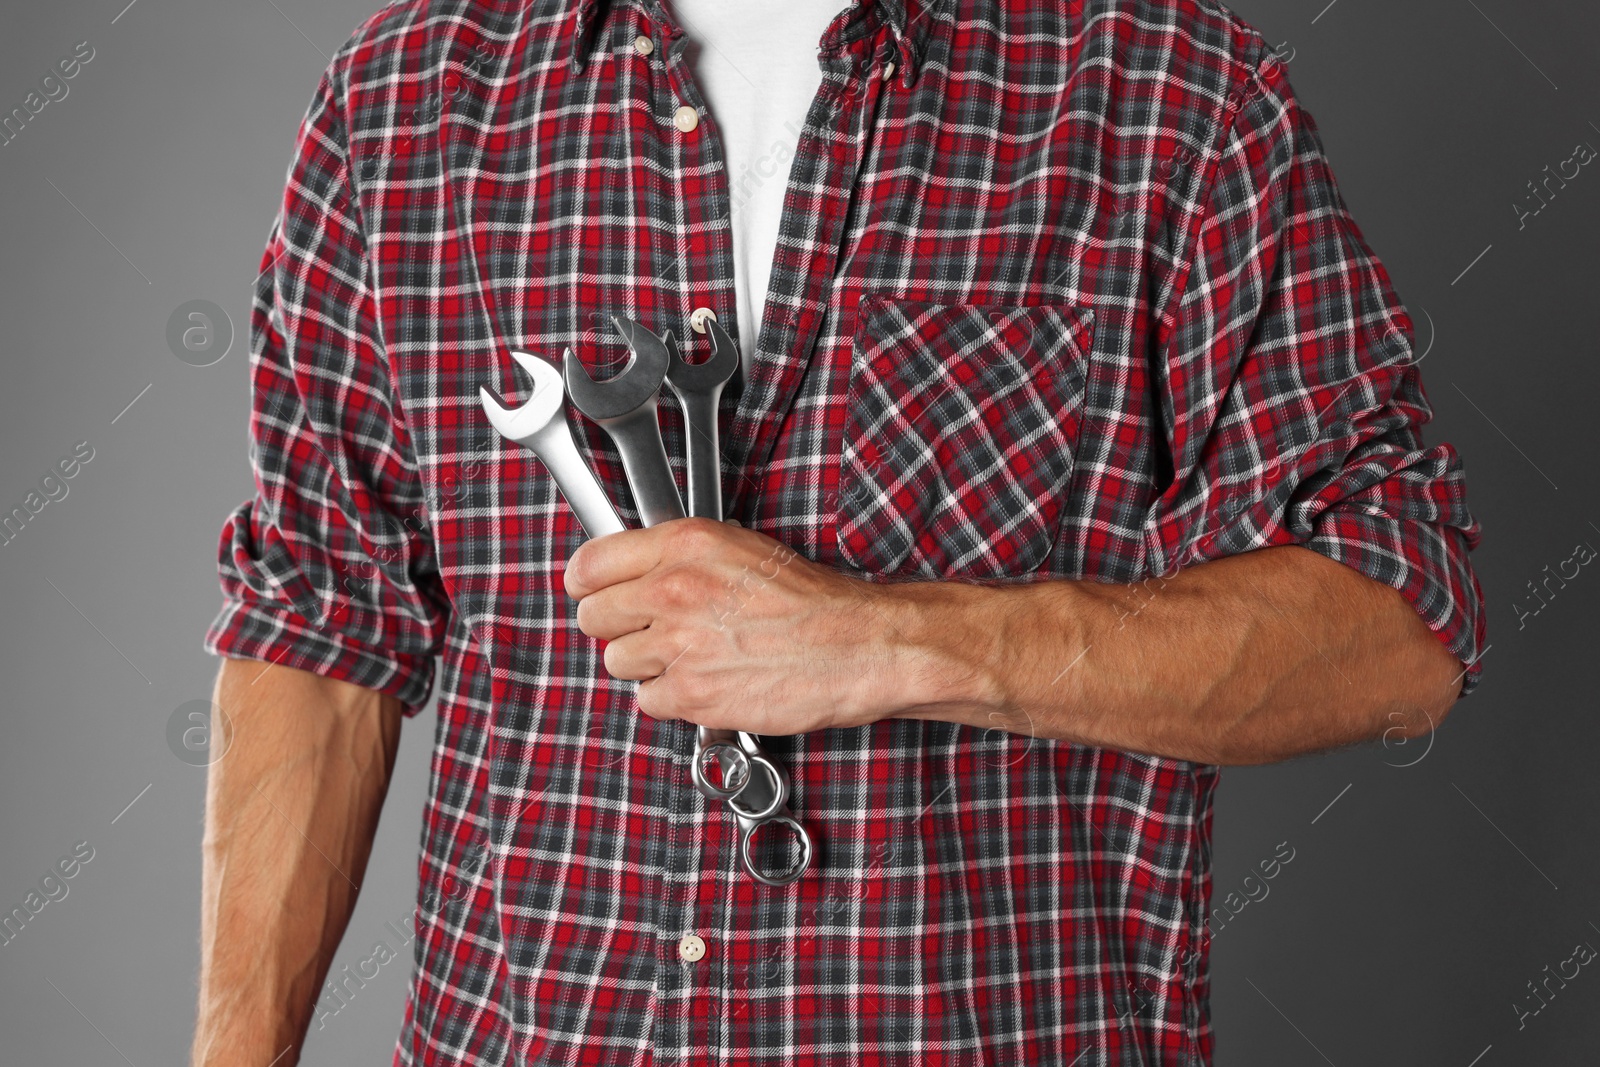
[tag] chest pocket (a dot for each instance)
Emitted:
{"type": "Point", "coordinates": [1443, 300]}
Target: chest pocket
{"type": "Point", "coordinates": [960, 428]}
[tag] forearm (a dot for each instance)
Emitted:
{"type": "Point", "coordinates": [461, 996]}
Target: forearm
{"type": "Point", "coordinates": [1248, 659]}
{"type": "Point", "coordinates": [291, 808]}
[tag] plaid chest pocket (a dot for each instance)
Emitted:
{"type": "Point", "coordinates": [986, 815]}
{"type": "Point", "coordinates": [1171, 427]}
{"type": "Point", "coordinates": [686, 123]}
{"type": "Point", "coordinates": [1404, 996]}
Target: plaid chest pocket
{"type": "Point", "coordinates": [960, 427]}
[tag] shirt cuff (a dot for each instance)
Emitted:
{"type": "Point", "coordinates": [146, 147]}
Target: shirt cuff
{"type": "Point", "coordinates": [268, 632]}
{"type": "Point", "coordinates": [1443, 591]}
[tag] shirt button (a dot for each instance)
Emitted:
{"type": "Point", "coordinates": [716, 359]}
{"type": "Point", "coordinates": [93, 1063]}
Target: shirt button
{"type": "Point", "coordinates": [691, 948]}
{"type": "Point", "coordinates": [698, 317]}
{"type": "Point", "coordinates": [888, 70]}
{"type": "Point", "coordinates": [686, 118]}
{"type": "Point", "coordinates": [643, 45]}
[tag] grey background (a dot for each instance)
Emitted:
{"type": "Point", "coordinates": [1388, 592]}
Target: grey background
{"type": "Point", "coordinates": [1417, 905]}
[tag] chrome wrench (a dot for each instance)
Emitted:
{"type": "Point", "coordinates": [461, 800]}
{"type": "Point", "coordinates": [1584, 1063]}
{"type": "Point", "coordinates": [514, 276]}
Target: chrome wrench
{"type": "Point", "coordinates": [541, 426]}
{"type": "Point", "coordinates": [625, 407]}
{"type": "Point", "coordinates": [699, 391]}
{"type": "Point", "coordinates": [761, 798]}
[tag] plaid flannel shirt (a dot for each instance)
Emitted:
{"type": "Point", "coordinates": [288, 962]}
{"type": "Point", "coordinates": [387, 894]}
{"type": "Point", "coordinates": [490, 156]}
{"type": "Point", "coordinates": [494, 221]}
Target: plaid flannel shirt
{"type": "Point", "coordinates": [1061, 291]}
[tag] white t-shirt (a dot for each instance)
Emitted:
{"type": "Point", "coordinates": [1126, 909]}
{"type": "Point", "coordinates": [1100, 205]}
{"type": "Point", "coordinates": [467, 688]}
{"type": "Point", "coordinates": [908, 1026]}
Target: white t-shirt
{"type": "Point", "coordinates": [756, 66]}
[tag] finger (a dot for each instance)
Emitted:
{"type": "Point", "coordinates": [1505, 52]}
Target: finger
{"type": "Point", "coordinates": [654, 700]}
{"type": "Point", "coordinates": [604, 561]}
{"type": "Point", "coordinates": [639, 656]}
{"type": "Point", "coordinates": [616, 610]}
{"type": "Point", "coordinates": [630, 554]}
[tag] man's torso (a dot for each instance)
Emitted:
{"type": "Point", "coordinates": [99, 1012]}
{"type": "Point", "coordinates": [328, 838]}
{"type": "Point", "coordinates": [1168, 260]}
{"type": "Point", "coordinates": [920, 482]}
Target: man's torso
{"type": "Point", "coordinates": [952, 381]}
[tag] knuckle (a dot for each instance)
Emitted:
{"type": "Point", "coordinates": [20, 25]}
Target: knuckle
{"type": "Point", "coordinates": [681, 638]}
{"type": "Point", "coordinates": [679, 586]}
{"type": "Point", "coordinates": [646, 701]}
{"type": "Point", "coordinates": [690, 694]}
{"type": "Point", "coordinates": [696, 535]}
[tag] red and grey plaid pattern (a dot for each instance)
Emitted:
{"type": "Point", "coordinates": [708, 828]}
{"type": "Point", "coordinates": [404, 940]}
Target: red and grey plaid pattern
{"type": "Point", "coordinates": [1070, 294]}
{"type": "Point", "coordinates": [960, 426]}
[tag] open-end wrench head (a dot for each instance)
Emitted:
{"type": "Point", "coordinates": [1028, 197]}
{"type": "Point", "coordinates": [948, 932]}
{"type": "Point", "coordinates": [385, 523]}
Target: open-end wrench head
{"type": "Point", "coordinates": [538, 411]}
{"type": "Point", "coordinates": [703, 377]}
{"type": "Point", "coordinates": [631, 389]}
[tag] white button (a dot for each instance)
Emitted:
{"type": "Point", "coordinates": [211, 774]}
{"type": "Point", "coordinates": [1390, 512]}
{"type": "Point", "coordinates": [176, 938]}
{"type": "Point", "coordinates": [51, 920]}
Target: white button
{"type": "Point", "coordinates": [643, 45]}
{"type": "Point", "coordinates": [691, 948]}
{"type": "Point", "coordinates": [686, 119]}
{"type": "Point", "coordinates": [698, 317]}
{"type": "Point", "coordinates": [888, 70]}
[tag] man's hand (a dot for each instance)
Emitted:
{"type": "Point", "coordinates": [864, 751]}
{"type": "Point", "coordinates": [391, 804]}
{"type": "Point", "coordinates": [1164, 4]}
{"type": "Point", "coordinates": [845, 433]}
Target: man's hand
{"type": "Point", "coordinates": [727, 628]}
{"type": "Point", "coordinates": [291, 807]}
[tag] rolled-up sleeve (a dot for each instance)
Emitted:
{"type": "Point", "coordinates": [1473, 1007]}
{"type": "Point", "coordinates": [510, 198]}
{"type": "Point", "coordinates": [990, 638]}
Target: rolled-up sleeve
{"type": "Point", "coordinates": [330, 567]}
{"type": "Point", "coordinates": [1290, 385]}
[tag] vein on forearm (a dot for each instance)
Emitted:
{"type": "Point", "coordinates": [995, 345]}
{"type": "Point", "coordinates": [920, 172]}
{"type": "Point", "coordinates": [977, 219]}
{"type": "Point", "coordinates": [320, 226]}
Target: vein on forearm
{"type": "Point", "coordinates": [1248, 659]}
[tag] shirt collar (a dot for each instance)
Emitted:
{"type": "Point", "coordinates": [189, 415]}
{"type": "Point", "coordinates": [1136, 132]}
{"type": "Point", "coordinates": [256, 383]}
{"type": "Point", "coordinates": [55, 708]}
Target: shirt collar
{"type": "Point", "coordinates": [908, 20]}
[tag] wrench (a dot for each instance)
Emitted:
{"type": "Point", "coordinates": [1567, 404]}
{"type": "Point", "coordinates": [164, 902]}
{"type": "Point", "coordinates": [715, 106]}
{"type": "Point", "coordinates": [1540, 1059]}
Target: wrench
{"type": "Point", "coordinates": [625, 406]}
{"type": "Point", "coordinates": [541, 425]}
{"type": "Point", "coordinates": [699, 391]}
{"type": "Point", "coordinates": [760, 798]}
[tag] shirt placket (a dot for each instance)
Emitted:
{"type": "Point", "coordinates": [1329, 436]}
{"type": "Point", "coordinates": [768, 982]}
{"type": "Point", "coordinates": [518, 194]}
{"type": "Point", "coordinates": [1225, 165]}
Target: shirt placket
{"type": "Point", "coordinates": [689, 937]}
{"type": "Point", "coordinates": [700, 909]}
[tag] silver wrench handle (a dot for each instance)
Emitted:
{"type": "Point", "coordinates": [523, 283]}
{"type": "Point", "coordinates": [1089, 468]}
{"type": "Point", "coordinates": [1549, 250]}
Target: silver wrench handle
{"type": "Point", "coordinates": [582, 490]}
{"type": "Point", "coordinates": [705, 458]}
{"type": "Point", "coordinates": [644, 459]}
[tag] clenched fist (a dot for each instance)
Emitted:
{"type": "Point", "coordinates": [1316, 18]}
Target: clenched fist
{"type": "Point", "coordinates": [727, 628]}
